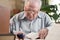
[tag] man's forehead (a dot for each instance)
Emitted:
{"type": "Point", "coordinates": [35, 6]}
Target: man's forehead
{"type": "Point", "coordinates": [34, 5]}
{"type": "Point", "coordinates": [31, 8]}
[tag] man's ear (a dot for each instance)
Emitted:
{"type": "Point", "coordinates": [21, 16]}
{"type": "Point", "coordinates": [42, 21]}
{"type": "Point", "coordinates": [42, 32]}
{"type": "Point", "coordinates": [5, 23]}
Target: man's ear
{"type": "Point", "coordinates": [26, 7]}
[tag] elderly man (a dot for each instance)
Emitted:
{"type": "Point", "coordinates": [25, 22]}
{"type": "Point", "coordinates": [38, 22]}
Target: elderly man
{"type": "Point", "coordinates": [31, 20]}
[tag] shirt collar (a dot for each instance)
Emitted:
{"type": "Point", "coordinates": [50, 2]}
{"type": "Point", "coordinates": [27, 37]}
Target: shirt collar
{"type": "Point", "coordinates": [23, 15]}
{"type": "Point", "coordinates": [39, 14]}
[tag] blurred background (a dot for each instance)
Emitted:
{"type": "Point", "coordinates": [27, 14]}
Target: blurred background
{"type": "Point", "coordinates": [8, 8]}
{"type": "Point", "coordinates": [51, 7]}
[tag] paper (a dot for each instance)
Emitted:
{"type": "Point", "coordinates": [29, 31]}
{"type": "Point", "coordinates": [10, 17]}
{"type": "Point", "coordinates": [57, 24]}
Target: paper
{"type": "Point", "coordinates": [32, 35]}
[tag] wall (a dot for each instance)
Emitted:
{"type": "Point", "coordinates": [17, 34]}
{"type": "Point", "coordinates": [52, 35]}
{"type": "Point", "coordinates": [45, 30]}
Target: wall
{"type": "Point", "coordinates": [19, 4]}
{"type": "Point", "coordinates": [5, 13]}
{"type": "Point", "coordinates": [5, 7]}
{"type": "Point", "coordinates": [8, 3]}
{"type": "Point", "coordinates": [4, 20]}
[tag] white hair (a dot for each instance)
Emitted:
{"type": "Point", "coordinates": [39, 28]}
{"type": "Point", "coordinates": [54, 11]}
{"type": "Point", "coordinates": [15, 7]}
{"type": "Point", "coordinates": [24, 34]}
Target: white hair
{"type": "Point", "coordinates": [34, 1]}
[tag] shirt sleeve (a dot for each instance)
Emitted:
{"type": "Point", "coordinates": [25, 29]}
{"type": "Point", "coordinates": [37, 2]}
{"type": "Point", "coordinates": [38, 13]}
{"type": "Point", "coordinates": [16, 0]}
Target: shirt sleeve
{"type": "Point", "coordinates": [49, 23]}
{"type": "Point", "coordinates": [14, 24]}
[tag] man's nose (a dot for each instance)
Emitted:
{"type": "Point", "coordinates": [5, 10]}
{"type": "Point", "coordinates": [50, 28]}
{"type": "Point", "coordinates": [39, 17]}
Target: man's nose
{"type": "Point", "coordinates": [32, 13]}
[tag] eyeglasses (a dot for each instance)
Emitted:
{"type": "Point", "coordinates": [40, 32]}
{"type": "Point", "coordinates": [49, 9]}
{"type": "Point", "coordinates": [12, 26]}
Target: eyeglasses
{"type": "Point", "coordinates": [31, 11]}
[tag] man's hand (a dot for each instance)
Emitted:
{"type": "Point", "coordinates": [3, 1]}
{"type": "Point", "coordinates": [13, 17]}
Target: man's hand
{"type": "Point", "coordinates": [43, 33]}
{"type": "Point", "coordinates": [19, 35]}
{"type": "Point", "coordinates": [19, 32]}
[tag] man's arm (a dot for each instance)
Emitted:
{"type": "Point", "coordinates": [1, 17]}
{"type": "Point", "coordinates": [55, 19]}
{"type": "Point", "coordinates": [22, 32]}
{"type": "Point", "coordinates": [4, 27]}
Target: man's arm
{"type": "Point", "coordinates": [49, 23]}
{"type": "Point", "coordinates": [13, 22]}
{"type": "Point", "coordinates": [48, 26]}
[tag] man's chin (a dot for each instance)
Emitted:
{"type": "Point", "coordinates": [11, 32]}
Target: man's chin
{"type": "Point", "coordinates": [30, 19]}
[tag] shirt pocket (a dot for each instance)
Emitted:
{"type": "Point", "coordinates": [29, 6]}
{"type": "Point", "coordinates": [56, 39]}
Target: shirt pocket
{"type": "Point", "coordinates": [37, 25]}
{"type": "Point", "coordinates": [25, 27]}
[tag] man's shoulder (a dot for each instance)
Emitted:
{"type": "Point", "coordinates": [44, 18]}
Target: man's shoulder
{"type": "Point", "coordinates": [18, 15]}
{"type": "Point", "coordinates": [42, 14]}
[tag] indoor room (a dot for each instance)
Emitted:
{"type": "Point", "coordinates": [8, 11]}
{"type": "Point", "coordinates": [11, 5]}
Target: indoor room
{"type": "Point", "coordinates": [29, 19]}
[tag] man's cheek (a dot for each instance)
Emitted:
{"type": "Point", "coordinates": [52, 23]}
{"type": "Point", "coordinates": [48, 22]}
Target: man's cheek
{"type": "Point", "coordinates": [35, 15]}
